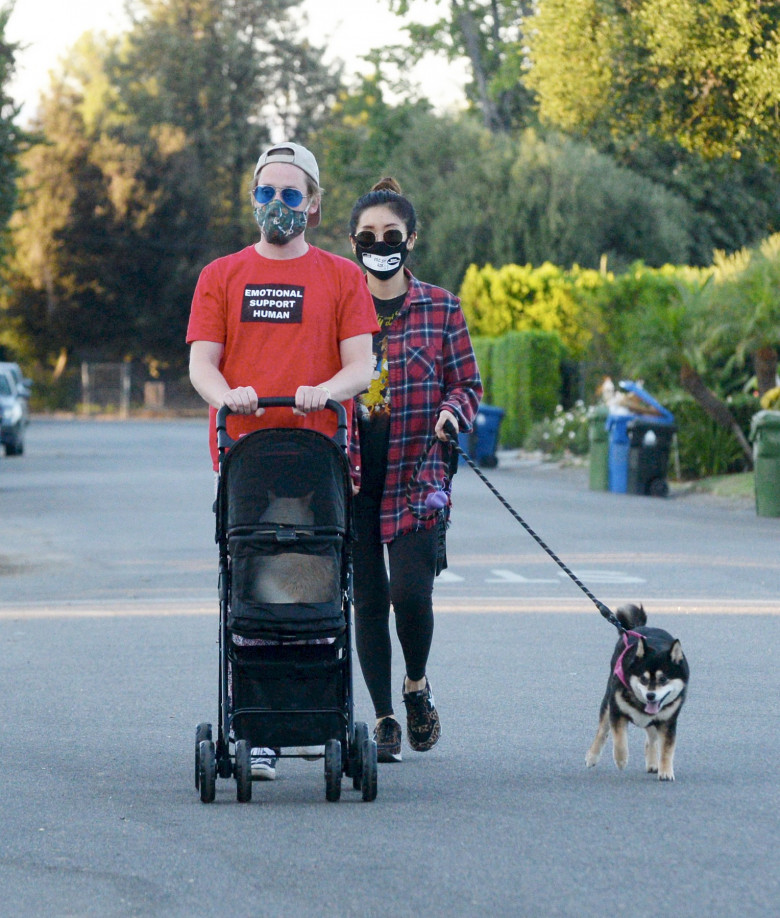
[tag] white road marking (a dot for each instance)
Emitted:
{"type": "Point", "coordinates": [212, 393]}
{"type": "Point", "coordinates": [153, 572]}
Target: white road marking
{"type": "Point", "coordinates": [504, 576]}
{"type": "Point", "coordinates": [604, 577]}
{"type": "Point", "coordinates": [129, 608]}
{"type": "Point", "coordinates": [448, 577]}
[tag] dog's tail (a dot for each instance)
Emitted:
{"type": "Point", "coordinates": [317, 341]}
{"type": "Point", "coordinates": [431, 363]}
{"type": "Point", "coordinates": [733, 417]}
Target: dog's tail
{"type": "Point", "coordinates": [631, 616]}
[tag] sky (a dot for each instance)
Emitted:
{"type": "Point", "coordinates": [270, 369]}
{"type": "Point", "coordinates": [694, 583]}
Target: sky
{"type": "Point", "coordinates": [347, 28]}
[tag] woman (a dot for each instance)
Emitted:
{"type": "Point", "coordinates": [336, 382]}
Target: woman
{"type": "Point", "coordinates": [425, 377]}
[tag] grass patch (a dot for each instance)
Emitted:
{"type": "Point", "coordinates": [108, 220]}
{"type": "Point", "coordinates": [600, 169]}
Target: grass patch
{"type": "Point", "coordinates": [740, 484]}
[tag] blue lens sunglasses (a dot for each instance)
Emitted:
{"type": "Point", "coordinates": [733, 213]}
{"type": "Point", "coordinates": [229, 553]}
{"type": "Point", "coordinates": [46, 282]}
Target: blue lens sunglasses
{"type": "Point", "coordinates": [264, 194]}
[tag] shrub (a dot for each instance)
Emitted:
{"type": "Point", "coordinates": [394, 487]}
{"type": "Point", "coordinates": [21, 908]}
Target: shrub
{"type": "Point", "coordinates": [49, 394]}
{"type": "Point", "coordinates": [524, 298]}
{"type": "Point", "coordinates": [643, 323]}
{"type": "Point", "coordinates": [564, 432]}
{"type": "Point", "coordinates": [705, 448]}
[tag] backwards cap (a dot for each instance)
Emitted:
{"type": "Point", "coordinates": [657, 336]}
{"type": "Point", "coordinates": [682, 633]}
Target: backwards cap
{"type": "Point", "coordinates": [295, 155]}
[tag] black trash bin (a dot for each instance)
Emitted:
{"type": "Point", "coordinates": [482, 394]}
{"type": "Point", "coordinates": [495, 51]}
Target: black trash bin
{"type": "Point", "coordinates": [636, 460]}
{"type": "Point", "coordinates": [650, 443]}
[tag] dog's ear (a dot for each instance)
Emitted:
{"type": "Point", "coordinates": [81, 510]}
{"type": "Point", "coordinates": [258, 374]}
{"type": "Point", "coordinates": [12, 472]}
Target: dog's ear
{"type": "Point", "coordinates": [676, 653]}
{"type": "Point", "coordinates": [640, 648]}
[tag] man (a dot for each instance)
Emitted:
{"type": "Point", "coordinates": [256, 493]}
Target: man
{"type": "Point", "coordinates": [280, 318]}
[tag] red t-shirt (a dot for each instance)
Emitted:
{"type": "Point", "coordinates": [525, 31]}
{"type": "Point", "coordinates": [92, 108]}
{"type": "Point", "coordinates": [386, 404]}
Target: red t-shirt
{"type": "Point", "coordinates": [281, 322]}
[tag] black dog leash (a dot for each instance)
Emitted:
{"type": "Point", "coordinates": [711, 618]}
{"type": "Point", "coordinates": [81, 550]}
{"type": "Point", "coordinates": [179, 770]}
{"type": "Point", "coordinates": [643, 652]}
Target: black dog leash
{"type": "Point", "coordinates": [453, 445]}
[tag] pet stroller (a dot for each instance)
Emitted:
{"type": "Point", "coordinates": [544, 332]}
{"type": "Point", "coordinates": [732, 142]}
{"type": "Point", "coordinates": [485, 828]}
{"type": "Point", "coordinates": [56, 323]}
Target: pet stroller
{"type": "Point", "coordinates": [284, 531]}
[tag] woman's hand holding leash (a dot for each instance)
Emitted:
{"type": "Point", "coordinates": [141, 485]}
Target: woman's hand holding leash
{"type": "Point", "coordinates": [446, 420]}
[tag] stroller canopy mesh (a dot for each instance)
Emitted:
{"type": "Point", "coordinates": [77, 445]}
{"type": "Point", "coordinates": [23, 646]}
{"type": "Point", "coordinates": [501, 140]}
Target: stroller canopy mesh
{"type": "Point", "coordinates": [286, 463]}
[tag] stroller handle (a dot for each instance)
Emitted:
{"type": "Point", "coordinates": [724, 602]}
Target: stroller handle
{"type": "Point", "coordinates": [225, 441]}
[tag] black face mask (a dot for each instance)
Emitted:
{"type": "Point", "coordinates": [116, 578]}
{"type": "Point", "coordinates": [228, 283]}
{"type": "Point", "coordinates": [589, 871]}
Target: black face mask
{"type": "Point", "coordinates": [382, 260]}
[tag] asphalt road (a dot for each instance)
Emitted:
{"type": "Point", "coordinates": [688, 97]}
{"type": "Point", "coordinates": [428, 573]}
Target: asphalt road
{"type": "Point", "coordinates": [108, 660]}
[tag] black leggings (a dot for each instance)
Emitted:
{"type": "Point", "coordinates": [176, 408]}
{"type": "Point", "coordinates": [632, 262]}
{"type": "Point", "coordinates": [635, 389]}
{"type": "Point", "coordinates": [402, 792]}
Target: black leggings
{"type": "Point", "coordinates": [412, 561]}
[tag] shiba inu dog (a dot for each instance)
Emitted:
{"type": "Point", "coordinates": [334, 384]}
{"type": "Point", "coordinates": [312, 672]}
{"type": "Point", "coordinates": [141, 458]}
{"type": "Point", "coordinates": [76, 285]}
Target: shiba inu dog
{"type": "Point", "coordinates": [291, 576]}
{"type": "Point", "coordinates": [647, 685]}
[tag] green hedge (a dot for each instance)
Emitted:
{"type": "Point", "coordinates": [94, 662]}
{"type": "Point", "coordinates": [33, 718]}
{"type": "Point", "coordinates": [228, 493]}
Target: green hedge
{"type": "Point", "coordinates": [525, 380]}
{"type": "Point", "coordinates": [524, 298]}
{"type": "Point", "coordinates": [483, 351]}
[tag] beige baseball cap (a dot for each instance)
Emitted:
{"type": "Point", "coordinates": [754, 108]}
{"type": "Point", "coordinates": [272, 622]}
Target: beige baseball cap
{"type": "Point", "coordinates": [295, 155]}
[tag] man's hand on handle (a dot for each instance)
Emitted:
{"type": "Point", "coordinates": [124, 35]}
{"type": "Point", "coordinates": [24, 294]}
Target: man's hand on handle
{"type": "Point", "coordinates": [242, 400]}
{"type": "Point", "coordinates": [310, 398]}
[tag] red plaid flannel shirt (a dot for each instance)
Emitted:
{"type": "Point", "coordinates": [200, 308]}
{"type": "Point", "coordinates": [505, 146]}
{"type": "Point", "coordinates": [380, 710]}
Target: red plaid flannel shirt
{"type": "Point", "coordinates": [431, 366]}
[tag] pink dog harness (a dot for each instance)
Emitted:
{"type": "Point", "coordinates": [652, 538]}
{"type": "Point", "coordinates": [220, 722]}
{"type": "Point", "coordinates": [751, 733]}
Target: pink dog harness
{"type": "Point", "coordinates": [618, 670]}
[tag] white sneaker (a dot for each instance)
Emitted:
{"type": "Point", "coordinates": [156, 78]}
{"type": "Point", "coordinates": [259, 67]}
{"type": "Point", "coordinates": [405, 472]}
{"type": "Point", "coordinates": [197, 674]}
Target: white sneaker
{"type": "Point", "coordinates": [263, 763]}
{"type": "Point", "coordinates": [310, 753]}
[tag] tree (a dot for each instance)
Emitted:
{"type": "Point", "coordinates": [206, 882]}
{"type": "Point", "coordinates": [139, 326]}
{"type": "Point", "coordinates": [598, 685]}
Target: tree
{"type": "Point", "coordinates": [67, 279]}
{"type": "Point", "coordinates": [144, 173]}
{"type": "Point", "coordinates": [705, 75]}
{"type": "Point", "coordinates": [12, 138]}
{"type": "Point", "coordinates": [222, 74]}
{"type": "Point", "coordinates": [693, 362]}
{"type": "Point", "coordinates": [746, 307]}
{"type": "Point", "coordinates": [490, 34]}
{"type": "Point", "coordinates": [664, 328]}
{"type": "Point", "coordinates": [354, 148]}
{"type": "Point", "coordinates": [735, 202]}
{"type": "Point", "coordinates": [493, 199]}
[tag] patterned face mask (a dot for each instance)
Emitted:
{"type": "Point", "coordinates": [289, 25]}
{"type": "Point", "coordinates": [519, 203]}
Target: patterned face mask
{"type": "Point", "coordinates": [278, 223]}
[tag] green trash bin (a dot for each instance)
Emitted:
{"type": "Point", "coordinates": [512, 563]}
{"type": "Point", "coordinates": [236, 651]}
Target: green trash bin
{"type": "Point", "coordinates": [598, 457]}
{"type": "Point", "coordinates": [765, 434]}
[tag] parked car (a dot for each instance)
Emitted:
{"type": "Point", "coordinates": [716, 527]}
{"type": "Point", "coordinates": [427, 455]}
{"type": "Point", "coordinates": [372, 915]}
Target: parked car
{"type": "Point", "coordinates": [14, 414]}
{"type": "Point", "coordinates": [23, 384]}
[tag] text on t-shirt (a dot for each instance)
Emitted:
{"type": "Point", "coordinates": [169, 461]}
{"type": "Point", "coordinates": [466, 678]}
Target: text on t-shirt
{"type": "Point", "coordinates": [281, 303]}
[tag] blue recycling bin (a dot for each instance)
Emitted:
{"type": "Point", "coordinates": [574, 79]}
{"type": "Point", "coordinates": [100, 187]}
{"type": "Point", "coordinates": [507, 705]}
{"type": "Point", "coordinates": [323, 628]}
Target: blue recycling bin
{"type": "Point", "coordinates": [481, 444]}
{"type": "Point", "coordinates": [617, 454]}
{"type": "Point", "coordinates": [623, 431]}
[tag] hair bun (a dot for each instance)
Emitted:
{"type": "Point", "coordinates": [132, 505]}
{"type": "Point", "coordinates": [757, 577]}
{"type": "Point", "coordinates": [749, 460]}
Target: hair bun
{"type": "Point", "coordinates": [387, 184]}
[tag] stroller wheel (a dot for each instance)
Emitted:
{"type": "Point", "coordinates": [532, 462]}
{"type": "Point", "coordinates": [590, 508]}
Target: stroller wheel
{"type": "Point", "coordinates": [356, 758]}
{"type": "Point", "coordinates": [333, 770]}
{"type": "Point", "coordinates": [369, 770]}
{"type": "Point", "coordinates": [202, 732]}
{"type": "Point", "coordinates": [243, 771]}
{"type": "Point", "coordinates": [208, 771]}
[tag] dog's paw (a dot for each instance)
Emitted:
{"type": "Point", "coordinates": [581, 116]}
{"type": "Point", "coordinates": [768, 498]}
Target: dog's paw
{"type": "Point", "coordinates": [652, 769]}
{"type": "Point", "coordinates": [666, 776]}
{"type": "Point", "coordinates": [592, 758]}
{"type": "Point", "coordinates": [621, 759]}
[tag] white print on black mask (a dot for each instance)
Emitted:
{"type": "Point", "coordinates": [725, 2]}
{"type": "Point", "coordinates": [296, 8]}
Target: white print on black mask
{"type": "Point", "coordinates": [382, 262]}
